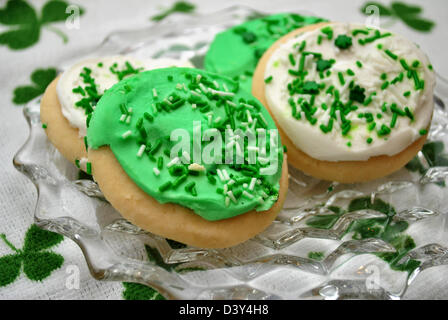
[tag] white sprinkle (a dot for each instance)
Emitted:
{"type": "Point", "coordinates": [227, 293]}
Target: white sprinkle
{"type": "Point", "coordinates": [173, 162]}
{"type": "Point", "coordinates": [254, 123]}
{"type": "Point", "coordinates": [217, 119]}
{"type": "Point", "coordinates": [154, 108]}
{"type": "Point", "coordinates": [185, 87]}
{"type": "Point", "coordinates": [193, 106]}
{"type": "Point", "coordinates": [225, 87]}
{"type": "Point", "coordinates": [167, 101]}
{"type": "Point", "coordinates": [195, 93]}
{"type": "Point", "coordinates": [128, 119]}
{"type": "Point", "coordinates": [198, 78]}
{"type": "Point", "coordinates": [154, 92]}
{"type": "Point", "coordinates": [249, 117]}
{"type": "Point", "coordinates": [179, 86]}
{"type": "Point", "coordinates": [126, 134]}
{"type": "Point", "coordinates": [252, 184]}
{"type": "Point", "coordinates": [186, 156]}
{"type": "Point", "coordinates": [123, 118]}
{"type": "Point", "coordinates": [227, 201]}
{"type": "Point", "coordinates": [231, 196]}
{"type": "Point", "coordinates": [260, 201]}
{"type": "Point", "coordinates": [264, 194]}
{"type": "Point", "coordinates": [230, 103]}
{"type": "Point", "coordinates": [203, 88]}
{"type": "Point", "coordinates": [216, 84]}
{"type": "Point", "coordinates": [222, 93]}
{"type": "Point", "coordinates": [247, 195]}
{"type": "Point", "coordinates": [258, 181]}
{"type": "Point", "coordinates": [156, 171]}
{"type": "Point", "coordinates": [196, 167]}
{"type": "Point", "coordinates": [130, 110]}
{"type": "Point", "coordinates": [245, 185]}
{"type": "Point", "coordinates": [141, 150]}
{"type": "Point", "coordinates": [225, 174]}
{"type": "Point", "coordinates": [231, 182]}
{"type": "Point", "coordinates": [248, 105]}
{"type": "Point", "coordinates": [221, 177]}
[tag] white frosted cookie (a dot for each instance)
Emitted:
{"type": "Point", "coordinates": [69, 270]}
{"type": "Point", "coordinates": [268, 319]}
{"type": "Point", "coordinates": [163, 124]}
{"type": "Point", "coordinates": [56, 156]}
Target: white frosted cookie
{"type": "Point", "coordinates": [352, 103]}
{"type": "Point", "coordinates": [71, 98]}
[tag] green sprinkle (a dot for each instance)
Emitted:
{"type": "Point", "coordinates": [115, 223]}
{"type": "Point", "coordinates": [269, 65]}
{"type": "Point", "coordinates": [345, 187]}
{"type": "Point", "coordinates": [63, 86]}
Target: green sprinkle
{"type": "Point", "coordinates": [379, 46]}
{"type": "Point", "coordinates": [44, 125]}
{"type": "Point", "coordinates": [359, 64]}
{"type": "Point", "coordinates": [89, 168]}
{"type": "Point", "coordinates": [179, 181]}
{"type": "Point", "coordinates": [268, 79]}
{"type": "Point", "coordinates": [350, 72]}
{"type": "Point", "coordinates": [343, 41]}
{"type": "Point", "coordinates": [341, 78]}
{"type": "Point", "coordinates": [407, 93]}
{"type": "Point", "coordinates": [291, 59]}
{"type": "Point", "coordinates": [390, 54]}
{"type": "Point", "coordinates": [404, 64]}
{"type": "Point", "coordinates": [409, 113]}
{"type": "Point", "coordinates": [100, 64]}
{"type": "Point", "coordinates": [357, 31]}
{"type": "Point", "coordinates": [160, 163]}
{"type": "Point", "coordinates": [394, 120]}
{"type": "Point", "coordinates": [384, 85]}
{"type": "Point", "coordinates": [369, 140]}
{"type": "Point", "coordinates": [322, 65]}
{"type": "Point", "coordinates": [165, 186]}
{"type": "Point", "coordinates": [430, 67]}
{"type": "Point", "coordinates": [189, 187]}
{"type": "Point", "coordinates": [415, 64]}
{"type": "Point", "coordinates": [383, 76]}
{"type": "Point", "coordinates": [327, 31]}
{"type": "Point", "coordinates": [302, 46]}
{"type": "Point", "coordinates": [77, 163]}
{"type": "Point", "coordinates": [349, 144]}
{"type": "Point", "coordinates": [423, 132]}
{"type": "Point", "coordinates": [148, 117]}
{"type": "Point", "coordinates": [371, 126]}
{"type": "Point", "coordinates": [319, 39]}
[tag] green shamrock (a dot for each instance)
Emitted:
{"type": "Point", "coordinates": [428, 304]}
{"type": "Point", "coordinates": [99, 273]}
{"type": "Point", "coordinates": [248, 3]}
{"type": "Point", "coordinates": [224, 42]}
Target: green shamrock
{"type": "Point", "coordinates": [38, 263]}
{"type": "Point", "coordinates": [180, 6]}
{"type": "Point", "coordinates": [26, 25]}
{"type": "Point", "coordinates": [409, 14]}
{"type": "Point", "coordinates": [40, 78]}
{"type": "Point", "coordinates": [433, 152]}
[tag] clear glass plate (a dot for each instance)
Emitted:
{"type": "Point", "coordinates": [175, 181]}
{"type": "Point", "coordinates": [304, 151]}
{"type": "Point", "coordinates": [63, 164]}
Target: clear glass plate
{"type": "Point", "coordinates": [331, 241]}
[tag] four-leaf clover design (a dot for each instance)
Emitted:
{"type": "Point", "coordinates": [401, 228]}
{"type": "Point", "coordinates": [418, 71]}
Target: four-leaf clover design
{"type": "Point", "coordinates": [409, 14]}
{"type": "Point", "coordinates": [25, 25]}
{"type": "Point", "coordinates": [38, 262]}
{"type": "Point", "coordinates": [40, 79]}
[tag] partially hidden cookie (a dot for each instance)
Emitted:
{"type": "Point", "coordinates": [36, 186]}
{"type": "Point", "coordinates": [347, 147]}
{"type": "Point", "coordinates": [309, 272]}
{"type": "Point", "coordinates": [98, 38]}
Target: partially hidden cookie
{"type": "Point", "coordinates": [187, 155]}
{"type": "Point", "coordinates": [235, 52]}
{"type": "Point", "coordinates": [352, 103]}
{"type": "Point", "coordinates": [70, 99]}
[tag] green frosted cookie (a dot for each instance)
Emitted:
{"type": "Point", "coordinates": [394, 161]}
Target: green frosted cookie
{"type": "Point", "coordinates": [236, 51]}
{"type": "Point", "coordinates": [138, 117]}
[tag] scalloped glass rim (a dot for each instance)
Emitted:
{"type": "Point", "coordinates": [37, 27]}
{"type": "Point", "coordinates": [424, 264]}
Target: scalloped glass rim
{"type": "Point", "coordinates": [343, 268]}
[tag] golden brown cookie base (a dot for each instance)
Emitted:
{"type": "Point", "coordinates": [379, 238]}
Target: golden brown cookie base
{"type": "Point", "coordinates": [171, 220]}
{"type": "Point", "coordinates": [341, 171]}
{"type": "Point", "coordinates": [59, 131]}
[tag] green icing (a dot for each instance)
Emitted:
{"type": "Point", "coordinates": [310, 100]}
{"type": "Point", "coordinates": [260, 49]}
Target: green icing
{"type": "Point", "coordinates": [236, 51]}
{"type": "Point", "coordinates": [163, 100]}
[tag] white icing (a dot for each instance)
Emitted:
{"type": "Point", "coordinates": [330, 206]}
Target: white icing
{"type": "Point", "coordinates": [332, 146]}
{"type": "Point", "coordinates": [104, 79]}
